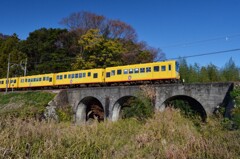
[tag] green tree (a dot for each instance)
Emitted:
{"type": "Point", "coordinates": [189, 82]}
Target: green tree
{"type": "Point", "coordinates": [47, 51]}
{"type": "Point", "coordinates": [184, 70]}
{"type": "Point", "coordinates": [98, 52]}
{"type": "Point", "coordinates": [213, 73]}
{"type": "Point", "coordinates": [204, 76]}
{"type": "Point", "coordinates": [230, 72]}
{"type": "Point", "coordinates": [10, 46]}
{"type": "Point", "coordinates": [194, 73]}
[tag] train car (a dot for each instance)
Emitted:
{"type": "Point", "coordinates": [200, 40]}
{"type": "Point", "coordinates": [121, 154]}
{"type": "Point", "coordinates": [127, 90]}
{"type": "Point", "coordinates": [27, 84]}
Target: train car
{"type": "Point", "coordinates": [36, 81]}
{"type": "Point", "coordinates": [91, 76]}
{"type": "Point", "coordinates": [156, 71]}
{"type": "Point", "coordinates": [12, 84]}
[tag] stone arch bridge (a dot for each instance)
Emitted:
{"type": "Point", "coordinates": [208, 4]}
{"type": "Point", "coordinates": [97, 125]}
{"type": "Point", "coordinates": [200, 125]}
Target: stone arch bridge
{"type": "Point", "coordinates": [204, 97]}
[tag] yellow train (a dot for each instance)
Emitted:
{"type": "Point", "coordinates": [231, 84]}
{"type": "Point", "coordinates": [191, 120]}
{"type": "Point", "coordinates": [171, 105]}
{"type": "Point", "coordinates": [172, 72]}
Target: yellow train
{"type": "Point", "coordinates": [166, 71]}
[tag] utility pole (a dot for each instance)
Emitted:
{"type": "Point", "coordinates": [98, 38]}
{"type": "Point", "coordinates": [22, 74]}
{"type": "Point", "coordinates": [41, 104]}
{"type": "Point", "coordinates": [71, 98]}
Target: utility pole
{"type": "Point", "coordinates": [7, 82]}
{"type": "Point", "coordinates": [25, 68]}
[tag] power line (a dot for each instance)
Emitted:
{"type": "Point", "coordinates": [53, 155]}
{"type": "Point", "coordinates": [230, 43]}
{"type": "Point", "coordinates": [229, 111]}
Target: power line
{"type": "Point", "coordinates": [226, 38]}
{"type": "Point", "coordinates": [210, 53]}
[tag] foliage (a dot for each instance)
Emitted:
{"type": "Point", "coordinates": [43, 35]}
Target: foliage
{"type": "Point", "coordinates": [98, 52]}
{"type": "Point", "coordinates": [235, 94]}
{"type": "Point", "coordinates": [210, 73]}
{"type": "Point", "coordinates": [185, 108]}
{"type": "Point", "coordinates": [230, 72]}
{"type": "Point", "coordinates": [139, 107]}
{"type": "Point", "coordinates": [10, 46]}
{"type": "Point", "coordinates": [166, 135]}
{"type": "Point", "coordinates": [46, 49]}
{"type": "Point", "coordinates": [65, 113]}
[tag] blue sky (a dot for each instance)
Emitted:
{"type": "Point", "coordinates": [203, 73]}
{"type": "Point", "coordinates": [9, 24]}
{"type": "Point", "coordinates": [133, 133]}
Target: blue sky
{"type": "Point", "coordinates": [177, 27]}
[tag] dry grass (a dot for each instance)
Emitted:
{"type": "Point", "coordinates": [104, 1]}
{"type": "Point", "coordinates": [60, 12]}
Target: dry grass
{"type": "Point", "coordinates": [166, 135]}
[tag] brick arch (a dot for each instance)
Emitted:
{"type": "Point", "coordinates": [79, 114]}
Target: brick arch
{"type": "Point", "coordinates": [194, 104]}
{"type": "Point", "coordinates": [89, 108]}
{"type": "Point", "coordinates": [118, 105]}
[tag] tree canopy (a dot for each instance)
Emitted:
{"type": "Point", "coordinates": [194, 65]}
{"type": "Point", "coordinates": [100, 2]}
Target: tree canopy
{"type": "Point", "coordinates": [210, 73]}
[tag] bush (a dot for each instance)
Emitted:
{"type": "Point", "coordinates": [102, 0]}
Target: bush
{"type": "Point", "coordinates": [235, 94]}
{"type": "Point", "coordinates": [140, 107]}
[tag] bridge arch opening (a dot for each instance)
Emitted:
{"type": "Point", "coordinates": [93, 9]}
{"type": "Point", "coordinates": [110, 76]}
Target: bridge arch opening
{"type": "Point", "coordinates": [88, 109]}
{"type": "Point", "coordinates": [132, 107]}
{"type": "Point", "coordinates": [120, 104]}
{"type": "Point", "coordinates": [187, 104]}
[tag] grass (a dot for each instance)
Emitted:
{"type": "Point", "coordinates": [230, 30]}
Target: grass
{"type": "Point", "coordinates": [27, 104]}
{"type": "Point", "coordinates": [166, 135]}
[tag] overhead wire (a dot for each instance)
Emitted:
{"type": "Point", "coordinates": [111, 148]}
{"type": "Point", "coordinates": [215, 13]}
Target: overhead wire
{"type": "Point", "coordinates": [227, 38]}
{"type": "Point", "coordinates": [205, 54]}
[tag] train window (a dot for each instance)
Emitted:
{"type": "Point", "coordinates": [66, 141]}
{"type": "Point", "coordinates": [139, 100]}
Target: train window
{"type": "Point", "coordinates": [50, 79]}
{"type": "Point", "coordinates": [40, 79]}
{"type": "Point", "coordinates": [47, 78]}
{"type": "Point", "coordinates": [72, 75]}
{"type": "Point", "coordinates": [169, 67]}
{"type": "Point", "coordinates": [80, 75]}
{"type": "Point", "coordinates": [89, 74]}
{"type": "Point", "coordinates": [60, 77]}
{"type": "Point", "coordinates": [44, 78]}
{"type": "Point", "coordinates": [36, 79]}
{"type": "Point", "coordinates": [112, 72]}
{"type": "Point", "coordinates": [69, 75]}
{"type": "Point", "coordinates": [108, 74]}
{"type": "Point", "coordinates": [15, 81]}
{"type": "Point", "coordinates": [142, 70]}
{"type": "Point", "coordinates": [130, 71]}
{"type": "Point", "coordinates": [65, 76]}
{"type": "Point", "coordinates": [148, 69]}
{"type": "Point", "coordinates": [84, 74]}
{"type": "Point", "coordinates": [22, 81]}
{"type": "Point", "coordinates": [125, 71]}
{"type": "Point", "coordinates": [136, 70]}
{"type": "Point", "coordinates": [119, 72]}
{"type": "Point", "coordinates": [156, 68]}
{"type": "Point", "coordinates": [76, 75]}
{"type": "Point", "coordinates": [26, 80]}
{"type": "Point", "coordinates": [29, 80]}
{"type": "Point", "coordinates": [95, 75]}
{"type": "Point", "coordinates": [163, 68]}
{"type": "Point", "coordinates": [57, 77]}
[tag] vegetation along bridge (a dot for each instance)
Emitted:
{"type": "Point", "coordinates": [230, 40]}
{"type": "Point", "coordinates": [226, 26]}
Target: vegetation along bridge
{"type": "Point", "coordinates": [107, 102]}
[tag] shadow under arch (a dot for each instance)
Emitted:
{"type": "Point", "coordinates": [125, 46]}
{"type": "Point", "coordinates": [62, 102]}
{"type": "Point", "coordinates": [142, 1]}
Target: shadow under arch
{"type": "Point", "coordinates": [189, 101]}
{"type": "Point", "coordinates": [119, 105]}
{"type": "Point", "coordinates": [89, 108]}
